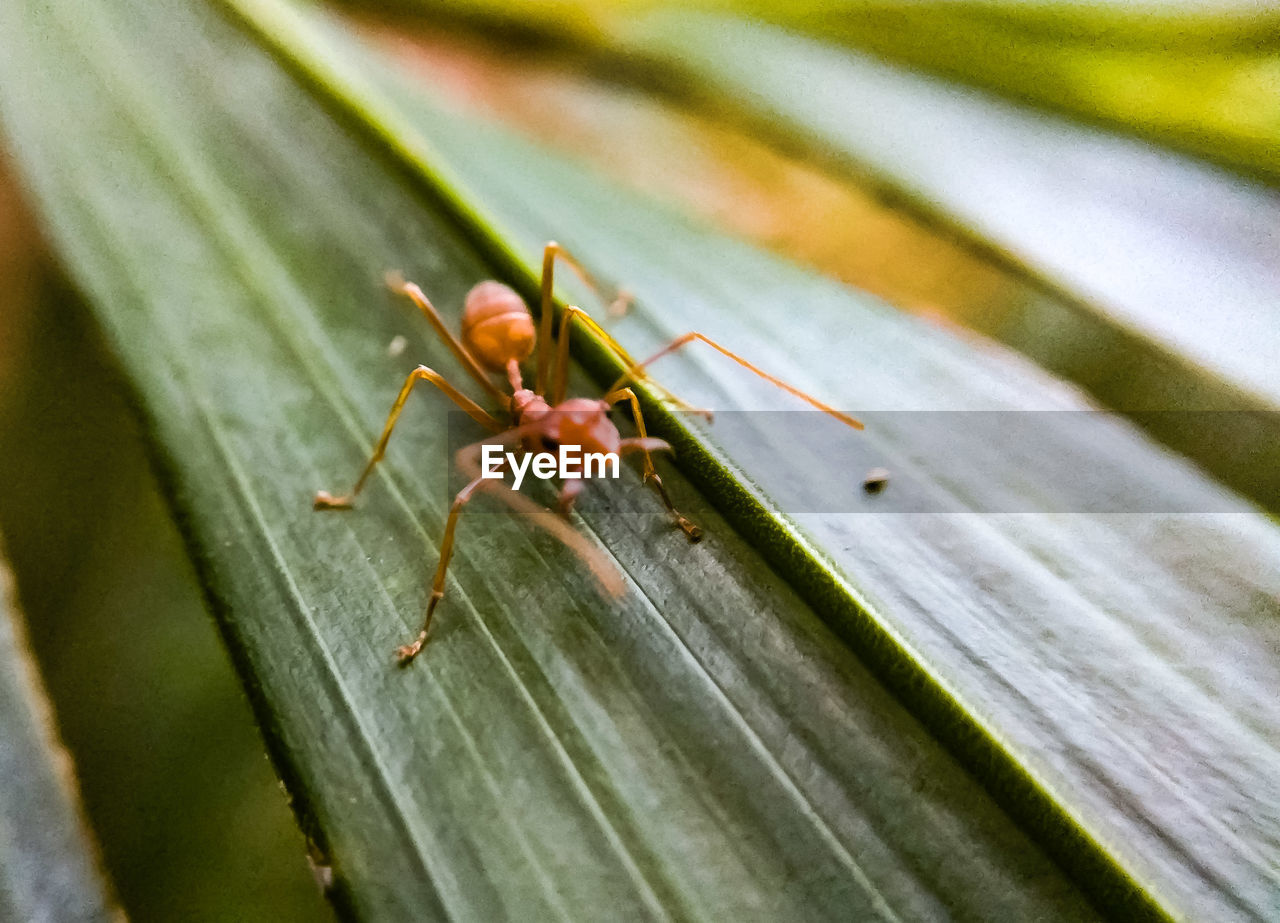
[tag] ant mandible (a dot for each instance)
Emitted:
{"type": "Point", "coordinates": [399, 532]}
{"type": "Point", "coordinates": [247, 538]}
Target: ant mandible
{"type": "Point", "coordinates": [498, 333]}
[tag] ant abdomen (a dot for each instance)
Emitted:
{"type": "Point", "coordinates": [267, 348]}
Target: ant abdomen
{"type": "Point", "coordinates": [497, 326]}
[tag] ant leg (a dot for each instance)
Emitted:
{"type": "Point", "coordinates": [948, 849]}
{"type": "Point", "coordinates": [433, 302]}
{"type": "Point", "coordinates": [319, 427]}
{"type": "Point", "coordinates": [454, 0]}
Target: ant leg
{"type": "Point", "coordinates": [691, 530]}
{"type": "Point", "coordinates": [407, 652]}
{"type": "Point", "coordinates": [638, 369]}
{"type": "Point", "coordinates": [325, 501]}
{"type": "Point", "coordinates": [468, 460]}
{"type": "Point", "coordinates": [397, 284]}
{"type": "Point", "coordinates": [568, 494]}
{"type": "Point", "coordinates": [560, 373]}
{"type": "Point", "coordinates": [621, 299]}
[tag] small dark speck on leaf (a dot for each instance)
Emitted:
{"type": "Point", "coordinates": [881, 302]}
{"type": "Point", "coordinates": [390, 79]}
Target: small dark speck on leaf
{"type": "Point", "coordinates": [876, 480]}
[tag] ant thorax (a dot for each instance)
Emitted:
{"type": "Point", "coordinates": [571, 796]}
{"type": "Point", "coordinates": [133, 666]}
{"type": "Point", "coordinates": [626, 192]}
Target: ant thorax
{"type": "Point", "coordinates": [526, 406]}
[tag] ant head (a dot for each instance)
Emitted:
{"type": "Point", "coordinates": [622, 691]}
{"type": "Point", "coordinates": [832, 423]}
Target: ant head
{"type": "Point", "coordinates": [497, 326]}
{"type": "Point", "coordinates": [581, 409]}
{"type": "Point", "coordinates": [584, 422]}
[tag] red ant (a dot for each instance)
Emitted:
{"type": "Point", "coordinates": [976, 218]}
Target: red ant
{"type": "Point", "coordinates": [498, 334]}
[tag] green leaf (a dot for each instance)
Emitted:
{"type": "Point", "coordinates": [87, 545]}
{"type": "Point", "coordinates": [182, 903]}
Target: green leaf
{"type": "Point", "coordinates": [706, 746]}
{"type": "Point", "coordinates": [1026, 628]}
{"type": "Point", "coordinates": [49, 870]}
{"type": "Point", "coordinates": [702, 748]}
